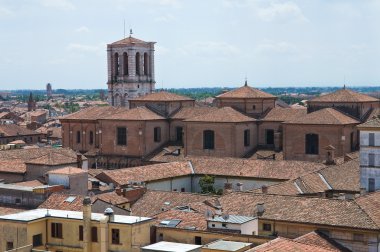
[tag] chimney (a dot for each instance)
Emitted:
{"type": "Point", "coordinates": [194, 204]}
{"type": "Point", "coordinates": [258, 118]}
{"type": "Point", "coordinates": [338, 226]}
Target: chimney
{"type": "Point", "coordinates": [79, 160]}
{"type": "Point", "coordinates": [109, 212]}
{"type": "Point", "coordinates": [260, 209]}
{"type": "Point", "coordinates": [341, 196]}
{"type": "Point", "coordinates": [87, 224]}
{"type": "Point", "coordinates": [264, 189]}
{"type": "Point", "coordinates": [118, 191]}
{"type": "Point", "coordinates": [330, 155]}
{"type": "Point", "coordinates": [240, 186]}
{"type": "Point", "coordinates": [218, 211]}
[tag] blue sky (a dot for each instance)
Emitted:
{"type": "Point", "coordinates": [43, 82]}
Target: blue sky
{"type": "Point", "coordinates": [199, 42]}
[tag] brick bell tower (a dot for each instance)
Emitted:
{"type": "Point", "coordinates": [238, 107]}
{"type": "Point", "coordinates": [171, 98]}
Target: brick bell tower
{"type": "Point", "coordinates": [130, 70]}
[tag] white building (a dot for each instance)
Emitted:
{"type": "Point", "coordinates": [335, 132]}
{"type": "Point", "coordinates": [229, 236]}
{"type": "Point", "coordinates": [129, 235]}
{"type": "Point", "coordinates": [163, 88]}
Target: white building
{"type": "Point", "coordinates": [370, 154]}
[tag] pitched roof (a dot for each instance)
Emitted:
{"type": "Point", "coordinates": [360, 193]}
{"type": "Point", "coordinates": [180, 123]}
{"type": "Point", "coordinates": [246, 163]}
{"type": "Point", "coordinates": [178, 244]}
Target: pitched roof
{"type": "Point", "coordinates": [285, 244]}
{"type": "Point", "coordinates": [344, 95]}
{"type": "Point", "coordinates": [112, 197]}
{"type": "Point", "coordinates": [7, 209]}
{"type": "Point", "coordinates": [146, 173]}
{"type": "Point", "coordinates": [189, 112]}
{"type": "Point", "coordinates": [278, 114]}
{"type": "Point", "coordinates": [53, 158]}
{"type": "Point", "coordinates": [135, 114]}
{"type": "Point", "coordinates": [326, 116]}
{"type": "Point", "coordinates": [330, 212]}
{"type": "Point", "coordinates": [222, 115]}
{"type": "Point", "coordinates": [94, 112]}
{"type": "Point", "coordinates": [29, 154]}
{"type": "Point", "coordinates": [246, 92]}
{"type": "Point", "coordinates": [155, 202]}
{"type": "Point", "coordinates": [321, 240]}
{"type": "Point", "coordinates": [31, 183]}
{"type": "Point", "coordinates": [67, 171]}
{"type": "Point", "coordinates": [129, 41]}
{"type": "Point", "coordinates": [12, 165]}
{"type": "Point", "coordinates": [162, 96]}
{"type": "Point", "coordinates": [187, 219]}
{"type": "Point", "coordinates": [15, 130]}
{"type": "Point", "coordinates": [252, 168]}
{"type": "Point", "coordinates": [61, 201]}
{"type": "Point", "coordinates": [371, 123]}
{"type": "Point", "coordinates": [371, 205]}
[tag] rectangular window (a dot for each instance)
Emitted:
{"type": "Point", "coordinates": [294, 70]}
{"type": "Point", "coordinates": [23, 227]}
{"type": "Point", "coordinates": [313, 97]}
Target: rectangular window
{"type": "Point", "coordinates": [157, 134]}
{"type": "Point", "coordinates": [56, 230]}
{"type": "Point", "coordinates": [267, 227]}
{"type": "Point", "coordinates": [224, 225]}
{"type": "Point", "coordinates": [247, 137]}
{"type": "Point", "coordinates": [371, 159]}
{"type": "Point", "coordinates": [9, 245]}
{"type": "Point", "coordinates": [81, 233]}
{"type": "Point", "coordinates": [371, 185]}
{"type": "Point", "coordinates": [94, 234]}
{"type": "Point", "coordinates": [78, 137]}
{"type": "Point", "coordinates": [269, 136]}
{"type": "Point", "coordinates": [198, 240]}
{"type": "Point", "coordinates": [121, 136]}
{"type": "Point", "coordinates": [208, 139]}
{"type": "Point", "coordinates": [371, 139]}
{"type": "Point", "coordinates": [312, 144]}
{"type": "Point", "coordinates": [91, 136]}
{"type": "Point", "coordinates": [115, 236]}
{"type": "Point", "coordinates": [37, 240]}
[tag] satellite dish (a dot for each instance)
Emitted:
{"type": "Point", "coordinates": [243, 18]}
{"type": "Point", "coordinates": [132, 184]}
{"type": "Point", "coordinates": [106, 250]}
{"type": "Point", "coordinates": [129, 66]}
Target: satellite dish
{"type": "Point", "coordinates": [225, 216]}
{"type": "Point", "coordinates": [208, 214]}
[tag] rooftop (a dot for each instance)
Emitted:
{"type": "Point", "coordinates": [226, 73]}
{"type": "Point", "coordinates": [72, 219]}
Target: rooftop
{"type": "Point", "coordinates": [278, 114]}
{"type": "Point", "coordinates": [371, 123]}
{"type": "Point", "coordinates": [135, 114]}
{"type": "Point", "coordinates": [40, 213]}
{"type": "Point", "coordinates": [67, 171]}
{"type": "Point", "coordinates": [222, 115]}
{"type": "Point", "coordinates": [15, 130]}
{"type": "Point", "coordinates": [246, 92]}
{"type": "Point", "coordinates": [94, 112]}
{"type": "Point", "coordinates": [344, 95]}
{"type": "Point", "coordinates": [189, 112]}
{"type": "Point", "coordinates": [12, 165]}
{"type": "Point", "coordinates": [326, 116]}
{"type": "Point", "coordinates": [235, 219]}
{"type": "Point", "coordinates": [227, 245]}
{"type": "Point", "coordinates": [162, 96]}
{"type": "Point", "coordinates": [171, 247]}
{"type": "Point", "coordinates": [129, 41]}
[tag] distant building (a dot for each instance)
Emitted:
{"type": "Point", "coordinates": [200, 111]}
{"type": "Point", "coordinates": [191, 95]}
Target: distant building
{"type": "Point", "coordinates": [370, 154]}
{"type": "Point", "coordinates": [130, 70]}
{"type": "Point", "coordinates": [49, 91]}
{"type": "Point", "coordinates": [31, 103]}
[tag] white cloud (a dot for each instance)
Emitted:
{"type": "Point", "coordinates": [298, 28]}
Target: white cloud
{"type": "Point", "coordinates": [58, 4]}
{"type": "Point", "coordinates": [82, 29]}
{"type": "Point", "coordinates": [275, 47]}
{"type": "Point", "coordinates": [165, 18]}
{"type": "Point", "coordinates": [82, 48]}
{"type": "Point", "coordinates": [210, 49]}
{"type": "Point", "coordinates": [163, 3]}
{"type": "Point", "coordinates": [5, 12]}
{"type": "Point", "coordinates": [160, 50]}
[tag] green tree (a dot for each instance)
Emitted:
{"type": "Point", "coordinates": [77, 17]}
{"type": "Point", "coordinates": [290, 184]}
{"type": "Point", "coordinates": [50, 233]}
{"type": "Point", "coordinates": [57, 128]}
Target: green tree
{"type": "Point", "coordinates": [207, 184]}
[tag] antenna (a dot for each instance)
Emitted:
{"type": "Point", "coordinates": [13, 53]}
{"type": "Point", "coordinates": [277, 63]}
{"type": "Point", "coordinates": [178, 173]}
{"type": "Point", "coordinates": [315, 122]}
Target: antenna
{"type": "Point", "coordinates": [124, 27]}
{"type": "Point", "coordinates": [245, 83]}
{"type": "Point", "coordinates": [130, 32]}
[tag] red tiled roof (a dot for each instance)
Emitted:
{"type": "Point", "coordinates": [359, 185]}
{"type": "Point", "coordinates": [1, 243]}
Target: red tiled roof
{"type": "Point", "coordinates": [326, 116]}
{"type": "Point", "coordinates": [135, 114]}
{"type": "Point", "coordinates": [112, 197]}
{"type": "Point", "coordinates": [31, 183]}
{"type": "Point", "coordinates": [15, 130]}
{"type": "Point", "coordinates": [162, 96]}
{"type": "Point", "coordinates": [12, 166]}
{"type": "Point", "coordinates": [59, 201]}
{"type": "Point", "coordinates": [129, 41]}
{"type": "Point", "coordinates": [67, 171]}
{"type": "Point", "coordinates": [146, 173]}
{"type": "Point", "coordinates": [371, 123]}
{"type": "Point", "coordinates": [321, 240]}
{"type": "Point", "coordinates": [344, 95]}
{"type": "Point", "coordinates": [53, 158]}
{"type": "Point", "coordinates": [284, 114]}
{"type": "Point", "coordinates": [371, 205]}
{"type": "Point", "coordinates": [94, 112]}
{"type": "Point", "coordinates": [246, 92]}
{"type": "Point", "coordinates": [189, 112]}
{"type": "Point", "coordinates": [187, 219]}
{"type": "Point", "coordinates": [222, 115]}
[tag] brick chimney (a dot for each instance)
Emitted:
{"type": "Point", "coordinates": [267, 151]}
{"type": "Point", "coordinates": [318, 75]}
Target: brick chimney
{"type": "Point", "coordinates": [87, 224]}
{"type": "Point", "coordinates": [264, 189]}
{"type": "Point", "coordinates": [330, 155]}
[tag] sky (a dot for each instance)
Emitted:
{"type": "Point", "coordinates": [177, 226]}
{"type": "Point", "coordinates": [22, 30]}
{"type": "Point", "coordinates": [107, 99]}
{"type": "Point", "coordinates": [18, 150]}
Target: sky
{"type": "Point", "coordinates": [200, 43]}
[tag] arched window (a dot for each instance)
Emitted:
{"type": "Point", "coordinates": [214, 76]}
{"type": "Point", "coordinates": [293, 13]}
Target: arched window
{"type": "Point", "coordinates": [312, 144]}
{"type": "Point", "coordinates": [117, 64]}
{"type": "Point", "coordinates": [78, 136]}
{"type": "Point", "coordinates": [137, 63]}
{"type": "Point", "coordinates": [125, 59]}
{"type": "Point", "coordinates": [146, 64]}
{"type": "Point", "coordinates": [117, 100]}
{"type": "Point", "coordinates": [208, 140]}
{"type": "Point", "coordinates": [91, 138]}
{"type": "Point", "coordinates": [157, 134]}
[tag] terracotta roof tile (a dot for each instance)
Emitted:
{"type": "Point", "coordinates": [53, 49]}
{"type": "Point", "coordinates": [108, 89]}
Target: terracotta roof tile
{"type": "Point", "coordinates": [162, 96]}
{"type": "Point", "coordinates": [222, 115]}
{"type": "Point", "coordinates": [31, 183]}
{"type": "Point", "coordinates": [344, 95]}
{"type": "Point", "coordinates": [321, 240]}
{"type": "Point", "coordinates": [67, 171]}
{"type": "Point", "coordinates": [326, 116]}
{"type": "Point", "coordinates": [331, 212]}
{"type": "Point", "coordinates": [94, 112]}
{"type": "Point", "coordinates": [189, 112]}
{"type": "Point", "coordinates": [112, 197]}
{"type": "Point", "coordinates": [371, 123]}
{"type": "Point", "coordinates": [146, 173]}
{"type": "Point", "coordinates": [284, 114]}
{"type": "Point", "coordinates": [59, 201]}
{"type": "Point", "coordinates": [129, 41]}
{"type": "Point", "coordinates": [29, 154]}
{"type": "Point", "coordinates": [284, 244]}
{"type": "Point", "coordinates": [371, 205]}
{"type": "Point", "coordinates": [6, 209]}
{"type": "Point", "coordinates": [155, 202]}
{"type": "Point", "coordinates": [246, 92]}
{"type": "Point", "coordinates": [187, 219]}
{"type": "Point", "coordinates": [15, 130]}
{"type": "Point", "coordinates": [135, 114]}
{"type": "Point", "coordinates": [12, 166]}
{"type": "Point", "coordinates": [53, 158]}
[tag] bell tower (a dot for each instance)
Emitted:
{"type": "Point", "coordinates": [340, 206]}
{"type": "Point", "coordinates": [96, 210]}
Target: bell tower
{"type": "Point", "coordinates": [130, 70]}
